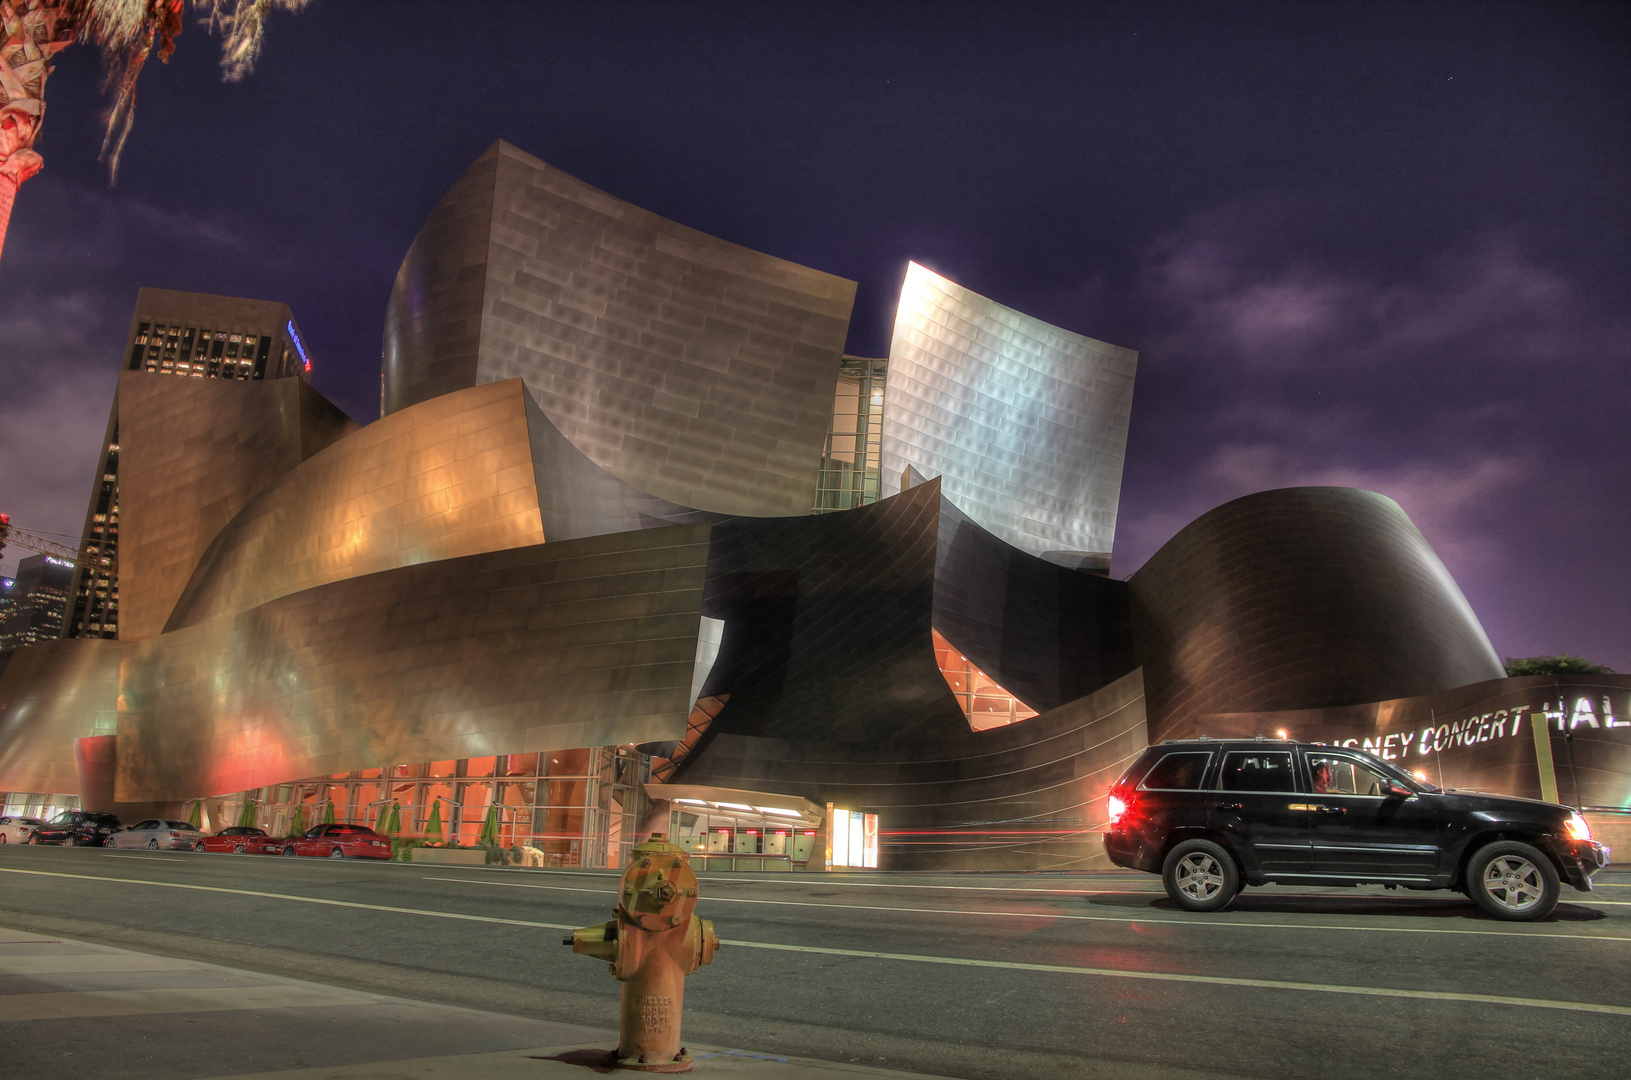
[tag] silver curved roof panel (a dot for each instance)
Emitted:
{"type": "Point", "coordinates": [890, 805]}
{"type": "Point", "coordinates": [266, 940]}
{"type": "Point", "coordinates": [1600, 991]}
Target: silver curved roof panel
{"type": "Point", "coordinates": [692, 368]}
{"type": "Point", "coordinates": [1024, 423]}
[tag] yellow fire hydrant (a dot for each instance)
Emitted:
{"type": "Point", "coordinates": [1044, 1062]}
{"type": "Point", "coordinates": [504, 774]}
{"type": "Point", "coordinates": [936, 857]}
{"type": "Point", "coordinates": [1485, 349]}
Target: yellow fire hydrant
{"type": "Point", "coordinates": [653, 944]}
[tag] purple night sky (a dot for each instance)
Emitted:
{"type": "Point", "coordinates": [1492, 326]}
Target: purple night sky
{"type": "Point", "coordinates": [1379, 245]}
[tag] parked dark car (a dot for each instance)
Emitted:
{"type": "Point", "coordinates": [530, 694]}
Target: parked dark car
{"type": "Point", "coordinates": [77, 828]}
{"type": "Point", "coordinates": [1211, 816]}
{"type": "Point", "coordinates": [242, 840]}
{"type": "Point", "coordinates": [340, 842]}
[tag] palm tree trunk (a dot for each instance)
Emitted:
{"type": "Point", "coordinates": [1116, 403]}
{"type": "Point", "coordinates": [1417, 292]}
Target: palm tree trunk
{"type": "Point", "coordinates": [31, 33]}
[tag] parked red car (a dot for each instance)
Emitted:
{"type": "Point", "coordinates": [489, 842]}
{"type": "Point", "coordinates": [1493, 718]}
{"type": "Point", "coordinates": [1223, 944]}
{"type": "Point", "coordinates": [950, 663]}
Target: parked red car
{"type": "Point", "coordinates": [241, 840]}
{"type": "Point", "coordinates": [340, 842]}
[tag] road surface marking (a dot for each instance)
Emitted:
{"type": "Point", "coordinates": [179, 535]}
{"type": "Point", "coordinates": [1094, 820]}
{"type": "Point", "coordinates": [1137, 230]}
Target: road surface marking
{"type": "Point", "coordinates": [1209, 980]}
{"type": "Point", "coordinates": [86, 1003]}
{"type": "Point", "coordinates": [1212, 922]}
{"type": "Point", "coordinates": [1009, 965]}
{"type": "Point", "coordinates": [82, 963]}
{"type": "Point", "coordinates": [301, 899]}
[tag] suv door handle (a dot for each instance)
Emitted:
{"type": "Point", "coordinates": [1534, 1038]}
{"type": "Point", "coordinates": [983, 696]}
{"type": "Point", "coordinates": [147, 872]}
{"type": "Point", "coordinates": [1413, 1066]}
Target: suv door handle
{"type": "Point", "coordinates": [1231, 806]}
{"type": "Point", "coordinates": [1333, 810]}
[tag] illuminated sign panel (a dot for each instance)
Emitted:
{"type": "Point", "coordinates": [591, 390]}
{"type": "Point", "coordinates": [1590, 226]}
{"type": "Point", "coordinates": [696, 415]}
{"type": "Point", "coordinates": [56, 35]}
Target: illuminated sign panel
{"type": "Point", "coordinates": [299, 346]}
{"type": "Point", "coordinates": [852, 839]}
{"type": "Point", "coordinates": [1564, 739]}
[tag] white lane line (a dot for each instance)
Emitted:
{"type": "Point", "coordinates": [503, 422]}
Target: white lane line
{"type": "Point", "coordinates": [86, 1003]}
{"type": "Point", "coordinates": [1210, 980]}
{"type": "Point", "coordinates": [155, 858]}
{"type": "Point", "coordinates": [301, 899]}
{"type": "Point", "coordinates": [1211, 923]}
{"type": "Point", "coordinates": [84, 963]}
{"type": "Point", "coordinates": [954, 888]}
{"type": "Point", "coordinates": [1010, 965]}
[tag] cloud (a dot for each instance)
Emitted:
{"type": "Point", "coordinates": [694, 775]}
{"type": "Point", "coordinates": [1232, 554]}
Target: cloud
{"type": "Point", "coordinates": [1222, 293]}
{"type": "Point", "coordinates": [1480, 387]}
{"type": "Point", "coordinates": [51, 444]}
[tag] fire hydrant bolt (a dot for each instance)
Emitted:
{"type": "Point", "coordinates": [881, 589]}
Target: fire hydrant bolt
{"type": "Point", "coordinates": [655, 941]}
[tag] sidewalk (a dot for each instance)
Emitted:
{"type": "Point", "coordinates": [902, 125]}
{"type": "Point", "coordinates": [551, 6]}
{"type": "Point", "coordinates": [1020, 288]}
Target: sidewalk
{"type": "Point", "coordinates": [137, 1015]}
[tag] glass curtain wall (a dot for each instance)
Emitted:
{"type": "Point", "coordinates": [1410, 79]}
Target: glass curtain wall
{"type": "Point", "coordinates": [573, 807]}
{"type": "Point", "coordinates": [850, 464]}
{"type": "Point", "coordinates": [35, 804]}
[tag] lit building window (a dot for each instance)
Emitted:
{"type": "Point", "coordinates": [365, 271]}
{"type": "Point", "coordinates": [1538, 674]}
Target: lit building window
{"type": "Point", "coordinates": [983, 700]}
{"type": "Point", "coordinates": [850, 462]}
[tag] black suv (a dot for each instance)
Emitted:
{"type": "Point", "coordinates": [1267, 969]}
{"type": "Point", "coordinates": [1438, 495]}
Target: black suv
{"type": "Point", "coordinates": [1211, 815]}
{"type": "Point", "coordinates": [85, 828]}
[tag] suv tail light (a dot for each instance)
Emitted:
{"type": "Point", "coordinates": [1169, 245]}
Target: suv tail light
{"type": "Point", "coordinates": [1118, 808]}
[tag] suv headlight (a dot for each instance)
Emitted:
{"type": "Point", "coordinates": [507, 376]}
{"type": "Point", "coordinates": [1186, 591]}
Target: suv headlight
{"type": "Point", "coordinates": [1577, 827]}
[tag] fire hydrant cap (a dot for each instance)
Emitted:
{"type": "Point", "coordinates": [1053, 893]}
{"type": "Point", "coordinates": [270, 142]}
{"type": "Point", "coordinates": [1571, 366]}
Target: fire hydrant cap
{"type": "Point", "coordinates": [659, 890]}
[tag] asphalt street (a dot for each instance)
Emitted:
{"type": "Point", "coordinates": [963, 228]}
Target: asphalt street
{"type": "Point", "coordinates": [957, 975]}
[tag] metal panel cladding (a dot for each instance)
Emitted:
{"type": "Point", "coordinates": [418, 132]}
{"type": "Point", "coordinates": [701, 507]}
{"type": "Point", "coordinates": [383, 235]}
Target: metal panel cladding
{"type": "Point", "coordinates": [1025, 423]}
{"type": "Point", "coordinates": [694, 369]}
{"type": "Point", "coordinates": [194, 452]}
{"type": "Point", "coordinates": [1300, 598]}
{"type": "Point", "coordinates": [452, 476]}
{"type": "Point", "coordinates": [52, 693]}
{"type": "Point", "coordinates": [579, 643]}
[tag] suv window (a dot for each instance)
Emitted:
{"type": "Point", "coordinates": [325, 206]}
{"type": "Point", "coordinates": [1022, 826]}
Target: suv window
{"type": "Point", "coordinates": [1339, 774]}
{"type": "Point", "coordinates": [1257, 770]}
{"type": "Point", "coordinates": [1182, 772]}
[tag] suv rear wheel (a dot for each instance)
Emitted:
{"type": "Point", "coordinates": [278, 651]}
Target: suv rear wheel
{"type": "Point", "coordinates": [1512, 880]}
{"type": "Point", "coordinates": [1200, 876]}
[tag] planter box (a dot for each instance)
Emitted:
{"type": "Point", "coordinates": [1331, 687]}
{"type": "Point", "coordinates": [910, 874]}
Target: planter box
{"type": "Point", "coordinates": [450, 856]}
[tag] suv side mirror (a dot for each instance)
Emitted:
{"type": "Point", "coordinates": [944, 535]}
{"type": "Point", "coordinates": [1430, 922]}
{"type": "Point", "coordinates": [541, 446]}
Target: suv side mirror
{"type": "Point", "coordinates": [1396, 791]}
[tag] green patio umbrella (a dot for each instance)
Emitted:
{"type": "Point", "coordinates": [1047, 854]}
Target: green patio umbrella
{"type": "Point", "coordinates": [328, 813]}
{"type": "Point", "coordinates": [489, 828]}
{"type": "Point", "coordinates": [250, 812]}
{"type": "Point", "coordinates": [393, 824]}
{"type": "Point", "coordinates": [298, 824]}
{"type": "Point", "coordinates": [379, 821]}
{"type": "Point", "coordinates": [433, 827]}
{"type": "Point", "coordinates": [195, 816]}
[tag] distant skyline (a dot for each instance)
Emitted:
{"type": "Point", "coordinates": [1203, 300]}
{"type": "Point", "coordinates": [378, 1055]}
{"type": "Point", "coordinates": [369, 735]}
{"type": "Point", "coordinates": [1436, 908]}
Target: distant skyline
{"type": "Point", "coordinates": [1378, 245]}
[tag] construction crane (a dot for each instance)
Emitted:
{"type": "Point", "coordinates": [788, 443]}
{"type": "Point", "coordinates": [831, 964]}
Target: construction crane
{"type": "Point", "coordinates": [9, 533]}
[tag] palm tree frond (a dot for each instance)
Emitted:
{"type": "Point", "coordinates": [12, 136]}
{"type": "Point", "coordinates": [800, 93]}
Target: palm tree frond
{"type": "Point", "coordinates": [242, 24]}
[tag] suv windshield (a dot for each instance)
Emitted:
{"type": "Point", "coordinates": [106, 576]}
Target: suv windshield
{"type": "Point", "coordinates": [1404, 777]}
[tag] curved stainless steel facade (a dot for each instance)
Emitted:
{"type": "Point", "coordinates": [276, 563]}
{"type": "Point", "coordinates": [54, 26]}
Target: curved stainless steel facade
{"type": "Point", "coordinates": [194, 452]}
{"type": "Point", "coordinates": [692, 368]}
{"type": "Point", "coordinates": [452, 476]}
{"type": "Point", "coordinates": [550, 646]}
{"type": "Point", "coordinates": [1295, 599]}
{"type": "Point", "coordinates": [1024, 423]}
{"type": "Point", "coordinates": [52, 693]}
{"type": "Point", "coordinates": [600, 447]}
{"type": "Point", "coordinates": [1029, 796]}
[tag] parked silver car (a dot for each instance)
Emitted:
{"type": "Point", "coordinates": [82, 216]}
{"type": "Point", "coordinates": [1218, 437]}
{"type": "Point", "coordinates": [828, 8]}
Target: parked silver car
{"type": "Point", "coordinates": [17, 830]}
{"type": "Point", "coordinates": [158, 834]}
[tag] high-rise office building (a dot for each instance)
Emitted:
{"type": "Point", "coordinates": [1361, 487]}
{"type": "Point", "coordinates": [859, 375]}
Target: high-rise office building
{"type": "Point", "coordinates": [205, 340]}
{"type": "Point", "coordinates": [31, 608]}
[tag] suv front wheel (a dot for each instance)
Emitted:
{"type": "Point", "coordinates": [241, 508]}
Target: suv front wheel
{"type": "Point", "coordinates": [1200, 876]}
{"type": "Point", "coordinates": [1512, 880]}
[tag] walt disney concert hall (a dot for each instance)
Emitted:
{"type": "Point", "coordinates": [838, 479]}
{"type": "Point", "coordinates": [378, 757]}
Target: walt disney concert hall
{"type": "Point", "coordinates": [633, 545]}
